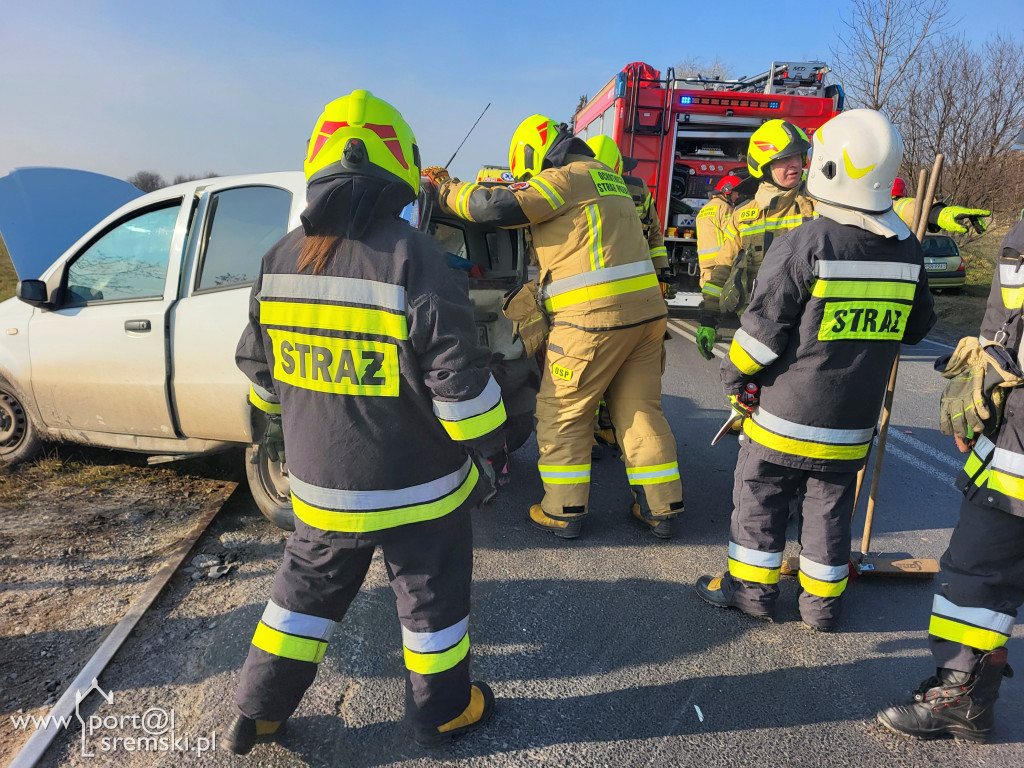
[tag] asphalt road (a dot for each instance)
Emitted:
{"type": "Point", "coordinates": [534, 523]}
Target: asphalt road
{"type": "Point", "coordinates": [601, 653]}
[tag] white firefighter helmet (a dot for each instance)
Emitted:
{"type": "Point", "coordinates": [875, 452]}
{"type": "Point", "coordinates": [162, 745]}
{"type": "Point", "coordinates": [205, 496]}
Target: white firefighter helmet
{"type": "Point", "coordinates": [855, 157]}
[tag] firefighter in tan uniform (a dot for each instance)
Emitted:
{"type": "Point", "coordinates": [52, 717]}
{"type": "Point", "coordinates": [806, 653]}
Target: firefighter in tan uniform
{"type": "Point", "coordinates": [940, 216]}
{"type": "Point", "coordinates": [600, 290]}
{"type": "Point", "coordinates": [606, 151]}
{"type": "Point", "coordinates": [775, 156]}
{"type": "Point", "coordinates": [712, 221]}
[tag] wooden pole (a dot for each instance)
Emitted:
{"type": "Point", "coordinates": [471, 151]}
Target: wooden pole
{"type": "Point", "coordinates": [921, 222]}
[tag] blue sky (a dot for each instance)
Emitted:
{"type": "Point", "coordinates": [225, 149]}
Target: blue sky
{"type": "Point", "coordinates": [235, 87]}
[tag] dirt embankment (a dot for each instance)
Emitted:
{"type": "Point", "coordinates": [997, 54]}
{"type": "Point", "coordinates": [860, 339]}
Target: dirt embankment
{"type": "Point", "coordinates": [82, 532]}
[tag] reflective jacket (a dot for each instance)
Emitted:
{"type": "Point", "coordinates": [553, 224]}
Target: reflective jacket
{"type": "Point", "coordinates": [648, 213]}
{"type": "Point", "coordinates": [595, 268]}
{"type": "Point", "coordinates": [375, 368]}
{"type": "Point", "coordinates": [831, 305]}
{"type": "Point", "coordinates": [712, 221]}
{"type": "Point", "coordinates": [994, 473]}
{"type": "Point", "coordinates": [752, 228]}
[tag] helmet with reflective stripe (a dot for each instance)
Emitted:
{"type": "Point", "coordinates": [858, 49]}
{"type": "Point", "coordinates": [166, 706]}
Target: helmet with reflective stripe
{"type": "Point", "coordinates": [361, 134]}
{"type": "Point", "coordinates": [774, 140]}
{"type": "Point", "coordinates": [899, 188]}
{"type": "Point", "coordinates": [531, 141]}
{"type": "Point", "coordinates": [727, 184]}
{"type": "Point", "coordinates": [606, 151]}
{"type": "Point", "coordinates": [855, 160]}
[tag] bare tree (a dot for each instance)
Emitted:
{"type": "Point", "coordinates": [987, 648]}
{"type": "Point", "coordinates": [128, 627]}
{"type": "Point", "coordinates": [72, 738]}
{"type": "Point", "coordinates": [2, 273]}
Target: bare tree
{"type": "Point", "coordinates": [698, 66]}
{"type": "Point", "coordinates": [968, 103]}
{"type": "Point", "coordinates": [147, 181]}
{"type": "Point", "coordinates": [881, 48]}
{"type": "Point", "coordinates": [181, 178]}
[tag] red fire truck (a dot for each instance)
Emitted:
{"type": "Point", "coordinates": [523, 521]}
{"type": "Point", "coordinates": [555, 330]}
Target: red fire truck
{"type": "Point", "coordinates": [688, 132]}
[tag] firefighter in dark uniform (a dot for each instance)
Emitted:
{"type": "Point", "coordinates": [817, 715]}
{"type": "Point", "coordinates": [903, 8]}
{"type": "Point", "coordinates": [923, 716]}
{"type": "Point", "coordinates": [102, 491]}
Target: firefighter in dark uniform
{"type": "Point", "coordinates": [364, 342]}
{"type": "Point", "coordinates": [608, 320]}
{"type": "Point", "coordinates": [832, 303]}
{"type": "Point", "coordinates": [983, 568]}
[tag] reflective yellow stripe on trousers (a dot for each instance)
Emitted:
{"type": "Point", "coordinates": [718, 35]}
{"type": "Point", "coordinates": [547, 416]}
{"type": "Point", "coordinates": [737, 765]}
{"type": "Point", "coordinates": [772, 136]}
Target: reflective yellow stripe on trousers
{"type": "Point", "coordinates": [979, 628]}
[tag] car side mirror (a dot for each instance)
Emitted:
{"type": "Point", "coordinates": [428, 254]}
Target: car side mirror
{"type": "Point", "coordinates": [32, 292]}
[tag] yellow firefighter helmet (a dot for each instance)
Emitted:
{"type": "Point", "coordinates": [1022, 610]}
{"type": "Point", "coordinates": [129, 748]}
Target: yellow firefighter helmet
{"type": "Point", "coordinates": [531, 141]}
{"type": "Point", "coordinates": [606, 151]}
{"type": "Point", "coordinates": [361, 134]}
{"type": "Point", "coordinates": [774, 140]}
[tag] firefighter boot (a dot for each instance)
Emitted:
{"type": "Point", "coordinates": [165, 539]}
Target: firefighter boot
{"type": "Point", "coordinates": [662, 529]}
{"type": "Point", "coordinates": [481, 705]}
{"type": "Point", "coordinates": [564, 529]}
{"type": "Point", "coordinates": [243, 733]}
{"type": "Point", "coordinates": [709, 589]}
{"type": "Point", "coordinates": [953, 703]}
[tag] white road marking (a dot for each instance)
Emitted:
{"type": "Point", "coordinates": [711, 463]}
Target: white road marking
{"type": "Point", "coordinates": [918, 463]}
{"type": "Point", "coordinates": [700, 715]}
{"type": "Point", "coordinates": [688, 329]}
{"type": "Point", "coordinates": [934, 453]}
{"type": "Point", "coordinates": [935, 343]}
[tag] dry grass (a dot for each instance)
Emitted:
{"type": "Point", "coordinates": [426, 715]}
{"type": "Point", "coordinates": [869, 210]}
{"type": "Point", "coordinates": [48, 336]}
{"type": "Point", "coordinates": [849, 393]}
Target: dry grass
{"type": "Point", "coordinates": [8, 278]}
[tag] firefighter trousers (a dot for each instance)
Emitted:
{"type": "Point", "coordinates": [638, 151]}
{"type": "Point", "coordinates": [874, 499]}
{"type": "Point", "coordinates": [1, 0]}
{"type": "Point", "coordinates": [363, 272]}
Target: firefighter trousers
{"type": "Point", "coordinates": [761, 499]}
{"type": "Point", "coordinates": [429, 565]}
{"type": "Point", "coordinates": [625, 366]}
{"type": "Point", "coordinates": [982, 587]}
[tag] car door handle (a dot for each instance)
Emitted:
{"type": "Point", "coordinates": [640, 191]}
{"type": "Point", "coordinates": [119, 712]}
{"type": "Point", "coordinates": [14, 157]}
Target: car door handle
{"type": "Point", "coordinates": [137, 325]}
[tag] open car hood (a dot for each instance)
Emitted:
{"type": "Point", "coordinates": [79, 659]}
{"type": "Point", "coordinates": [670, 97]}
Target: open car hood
{"type": "Point", "coordinates": [43, 211]}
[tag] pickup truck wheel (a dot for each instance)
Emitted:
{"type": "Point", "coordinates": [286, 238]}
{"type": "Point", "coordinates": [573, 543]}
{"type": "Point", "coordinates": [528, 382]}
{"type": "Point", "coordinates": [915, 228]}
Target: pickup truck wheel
{"type": "Point", "coordinates": [518, 430]}
{"type": "Point", "coordinates": [269, 487]}
{"type": "Point", "coordinates": [19, 439]}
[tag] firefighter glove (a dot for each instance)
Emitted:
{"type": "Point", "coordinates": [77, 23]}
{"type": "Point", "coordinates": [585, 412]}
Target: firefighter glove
{"type": "Point", "coordinates": [706, 341]}
{"type": "Point", "coordinates": [273, 439]}
{"type": "Point", "coordinates": [974, 216]}
{"type": "Point", "coordinates": [531, 324]}
{"type": "Point", "coordinates": [981, 376]}
{"type": "Point", "coordinates": [436, 175]}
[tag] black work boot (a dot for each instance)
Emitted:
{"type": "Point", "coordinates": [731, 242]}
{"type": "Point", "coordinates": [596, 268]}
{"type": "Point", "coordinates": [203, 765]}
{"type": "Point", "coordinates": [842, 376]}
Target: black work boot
{"type": "Point", "coordinates": [709, 589]}
{"type": "Point", "coordinates": [243, 733]}
{"type": "Point", "coordinates": [481, 706]}
{"type": "Point", "coordinates": [563, 529]}
{"type": "Point", "coordinates": [660, 527]}
{"type": "Point", "coordinates": [953, 703]}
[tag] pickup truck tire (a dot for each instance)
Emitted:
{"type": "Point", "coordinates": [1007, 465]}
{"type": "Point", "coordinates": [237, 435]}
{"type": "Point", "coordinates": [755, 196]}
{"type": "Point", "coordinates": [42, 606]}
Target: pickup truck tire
{"type": "Point", "coordinates": [518, 429]}
{"type": "Point", "coordinates": [269, 488]}
{"type": "Point", "coordinates": [19, 438]}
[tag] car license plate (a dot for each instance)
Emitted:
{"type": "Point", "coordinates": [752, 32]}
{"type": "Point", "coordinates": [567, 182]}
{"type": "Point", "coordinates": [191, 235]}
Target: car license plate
{"type": "Point", "coordinates": [939, 266]}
